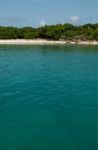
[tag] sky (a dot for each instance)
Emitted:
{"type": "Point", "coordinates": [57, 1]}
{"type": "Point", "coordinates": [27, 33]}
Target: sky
{"type": "Point", "coordinates": [36, 13]}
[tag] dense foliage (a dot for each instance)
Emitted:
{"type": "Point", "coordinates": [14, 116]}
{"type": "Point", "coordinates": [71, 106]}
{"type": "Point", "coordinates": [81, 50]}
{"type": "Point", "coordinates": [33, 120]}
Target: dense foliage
{"type": "Point", "coordinates": [54, 32]}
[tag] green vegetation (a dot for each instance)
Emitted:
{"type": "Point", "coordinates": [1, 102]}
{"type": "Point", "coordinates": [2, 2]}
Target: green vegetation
{"type": "Point", "coordinates": [54, 32]}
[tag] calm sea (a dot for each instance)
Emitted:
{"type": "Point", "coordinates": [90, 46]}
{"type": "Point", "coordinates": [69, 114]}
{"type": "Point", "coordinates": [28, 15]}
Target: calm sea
{"type": "Point", "coordinates": [48, 98]}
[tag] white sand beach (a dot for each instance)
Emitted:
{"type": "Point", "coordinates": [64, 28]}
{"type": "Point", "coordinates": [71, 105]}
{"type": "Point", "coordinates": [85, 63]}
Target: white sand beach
{"type": "Point", "coordinates": [44, 42]}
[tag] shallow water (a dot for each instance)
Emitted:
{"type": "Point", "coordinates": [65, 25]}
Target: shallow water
{"type": "Point", "coordinates": [48, 98]}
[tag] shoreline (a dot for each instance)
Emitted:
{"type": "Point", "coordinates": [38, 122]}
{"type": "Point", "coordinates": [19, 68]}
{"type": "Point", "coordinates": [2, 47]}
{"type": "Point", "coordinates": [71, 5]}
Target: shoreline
{"type": "Point", "coordinates": [44, 42]}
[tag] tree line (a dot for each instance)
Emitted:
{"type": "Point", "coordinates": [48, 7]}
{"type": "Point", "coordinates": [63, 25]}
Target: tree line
{"type": "Point", "coordinates": [52, 32]}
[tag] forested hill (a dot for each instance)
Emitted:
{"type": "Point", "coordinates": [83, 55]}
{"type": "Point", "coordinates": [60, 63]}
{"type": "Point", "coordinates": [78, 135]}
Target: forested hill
{"type": "Point", "coordinates": [53, 32]}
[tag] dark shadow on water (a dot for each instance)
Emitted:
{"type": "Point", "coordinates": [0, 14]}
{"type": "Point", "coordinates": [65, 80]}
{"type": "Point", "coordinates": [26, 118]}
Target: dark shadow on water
{"type": "Point", "coordinates": [51, 48]}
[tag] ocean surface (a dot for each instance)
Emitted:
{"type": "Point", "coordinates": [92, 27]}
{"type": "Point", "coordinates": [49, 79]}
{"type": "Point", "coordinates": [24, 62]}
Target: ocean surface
{"type": "Point", "coordinates": [49, 97]}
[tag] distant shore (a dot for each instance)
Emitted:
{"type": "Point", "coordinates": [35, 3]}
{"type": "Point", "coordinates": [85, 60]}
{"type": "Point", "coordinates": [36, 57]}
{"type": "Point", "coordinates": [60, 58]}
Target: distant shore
{"type": "Point", "coordinates": [44, 42]}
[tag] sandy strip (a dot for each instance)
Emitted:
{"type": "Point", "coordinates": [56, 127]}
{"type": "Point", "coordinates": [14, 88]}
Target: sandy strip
{"type": "Point", "coordinates": [30, 42]}
{"type": "Point", "coordinates": [44, 42]}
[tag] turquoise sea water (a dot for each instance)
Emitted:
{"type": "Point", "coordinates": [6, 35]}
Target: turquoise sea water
{"type": "Point", "coordinates": [48, 98]}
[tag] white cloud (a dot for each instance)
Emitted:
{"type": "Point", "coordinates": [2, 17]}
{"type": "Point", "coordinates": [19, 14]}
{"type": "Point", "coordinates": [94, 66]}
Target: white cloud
{"type": "Point", "coordinates": [42, 22]}
{"type": "Point", "coordinates": [74, 19]}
